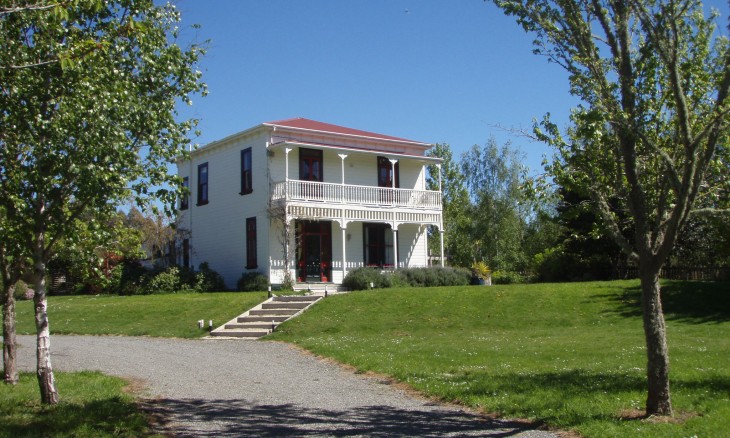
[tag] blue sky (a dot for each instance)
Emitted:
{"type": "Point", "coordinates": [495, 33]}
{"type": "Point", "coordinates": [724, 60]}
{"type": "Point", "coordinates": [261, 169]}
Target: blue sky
{"type": "Point", "coordinates": [429, 70]}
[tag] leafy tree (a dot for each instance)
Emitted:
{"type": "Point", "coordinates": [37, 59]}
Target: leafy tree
{"type": "Point", "coordinates": [156, 231]}
{"type": "Point", "coordinates": [455, 207]}
{"type": "Point", "coordinates": [650, 139]}
{"type": "Point", "coordinates": [500, 208]}
{"type": "Point", "coordinates": [582, 251]}
{"type": "Point", "coordinates": [88, 91]}
{"type": "Point", "coordinates": [96, 247]}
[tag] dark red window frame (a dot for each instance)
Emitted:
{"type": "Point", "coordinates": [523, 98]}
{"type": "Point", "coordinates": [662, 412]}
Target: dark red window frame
{"type": "Point", "coordinates": [311, 165]}
{"type": "Point", "coordinates": [186, 253]}
{"type": "Point", "coordinates": [386, 171]}
{"type": "Point", "coordinates": [203, 184]}
{"type": "Point", "coordinates": [246, 171]}
{"type": "Point", "coordinates": [251, 259]}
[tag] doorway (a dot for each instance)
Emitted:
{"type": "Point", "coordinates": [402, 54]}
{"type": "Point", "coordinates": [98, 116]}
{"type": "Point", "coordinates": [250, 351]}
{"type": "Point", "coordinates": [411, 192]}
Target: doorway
{"type": "Point", "coordinates": [314, 251]}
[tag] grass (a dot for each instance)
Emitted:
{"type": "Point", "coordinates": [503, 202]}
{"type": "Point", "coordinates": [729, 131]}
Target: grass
{"type": "Point", "coordinates": [173, 315]}
{"type": "Point", "coordinates": [92, 405]}
{"type": "Point", "coordinates": [570, 356]}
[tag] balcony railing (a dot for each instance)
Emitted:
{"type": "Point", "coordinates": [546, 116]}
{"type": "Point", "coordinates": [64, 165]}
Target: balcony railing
{"type": "Point", "coordinates": [294, 190]}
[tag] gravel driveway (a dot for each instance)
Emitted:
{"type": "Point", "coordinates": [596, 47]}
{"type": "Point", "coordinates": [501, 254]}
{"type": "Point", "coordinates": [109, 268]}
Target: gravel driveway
{"type": "Point", "coordinates": [258, 388]}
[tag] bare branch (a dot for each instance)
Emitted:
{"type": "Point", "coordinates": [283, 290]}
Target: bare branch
{"type": "Point", "coordinates": [27, 8]}
{"type": "Point", "coordinates": [35, 64]}
{"type": "Point", "coordinates": [711, 212]}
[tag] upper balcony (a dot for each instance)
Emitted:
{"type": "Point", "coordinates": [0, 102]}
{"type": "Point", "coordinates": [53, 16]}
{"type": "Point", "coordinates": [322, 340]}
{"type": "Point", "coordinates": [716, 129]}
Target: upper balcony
{"type": "Point", "coordinates": [345, 203]}
{"type": "Point", "coordinates": [355, 195]}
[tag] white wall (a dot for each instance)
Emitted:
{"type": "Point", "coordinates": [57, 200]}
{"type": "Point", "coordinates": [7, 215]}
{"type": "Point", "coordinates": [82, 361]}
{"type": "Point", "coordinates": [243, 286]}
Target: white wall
{"type": "Point", "coordinates": [218, 229]}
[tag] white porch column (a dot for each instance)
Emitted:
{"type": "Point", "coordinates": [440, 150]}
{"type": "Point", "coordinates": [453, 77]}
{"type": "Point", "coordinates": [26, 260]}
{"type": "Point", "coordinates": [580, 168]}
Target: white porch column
{"type": "Point", "coordinates": [392, 168]}
{"type": "Point", "coordinates": [395, 248]}
{"type": "Point", "coordinates": [286, 163]}
{"type": "Point", "coordinates": [441, 232]}
{"type": "Point", "coordinates": [439, 166]}
{"type": "Point", "coordinates": [344, 250]}
{"type": "Point", "coordinates": [342, 158]}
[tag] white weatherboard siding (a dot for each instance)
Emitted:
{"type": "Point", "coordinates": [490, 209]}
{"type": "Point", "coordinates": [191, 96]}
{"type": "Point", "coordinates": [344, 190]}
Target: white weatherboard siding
{"type": "Point", "coordinates": [219, 228]}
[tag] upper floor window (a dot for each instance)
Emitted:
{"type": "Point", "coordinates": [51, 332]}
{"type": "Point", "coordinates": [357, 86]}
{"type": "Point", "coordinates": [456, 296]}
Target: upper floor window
{"type": "Point", "coordinates": [246, 172]}
{"type": "Point", "coordinates": [185, 199]}
{"type": "Point", "coordinates": [387, 172]}
{"type": "Point", "coordinates": [310, 165]}
{"type": "Point", "coordinates": [203, 184]}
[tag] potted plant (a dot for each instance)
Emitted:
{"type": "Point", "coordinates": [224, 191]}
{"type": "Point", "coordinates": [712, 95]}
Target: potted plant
{"type": "Point", "coordinates": [481, 274]}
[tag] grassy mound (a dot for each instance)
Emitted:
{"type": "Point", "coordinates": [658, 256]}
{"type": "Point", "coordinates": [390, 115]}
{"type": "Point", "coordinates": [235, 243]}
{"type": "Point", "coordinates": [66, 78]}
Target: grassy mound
{"type": "Point", "coordinates": [571, 356]}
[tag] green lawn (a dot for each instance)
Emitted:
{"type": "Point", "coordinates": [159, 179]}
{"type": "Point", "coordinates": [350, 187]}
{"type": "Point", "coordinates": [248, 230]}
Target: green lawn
{"type": "Point", "coordinates": [174, 315]}
{"type": "Point", "coordinates": [92, 405]}
{"type": "Point", "coordinates": [567, 355]}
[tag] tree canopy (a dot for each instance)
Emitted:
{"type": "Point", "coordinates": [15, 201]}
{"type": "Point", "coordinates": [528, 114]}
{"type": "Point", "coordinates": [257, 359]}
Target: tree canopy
{"type": "Point", "coordinates": [88, 91]}
{"type": "Point", "coordinates": [649, 141]}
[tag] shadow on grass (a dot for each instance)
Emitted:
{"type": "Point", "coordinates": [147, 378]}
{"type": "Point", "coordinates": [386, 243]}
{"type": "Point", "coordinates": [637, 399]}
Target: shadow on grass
{"type": "Point", "coordinates": [693, 302]}
{"type": "Point", "coordinates": [234, 418]}
{"type": "Point", "coordinates": [570, 398]}
{"type": "Point", "coordinates": [109, 417]}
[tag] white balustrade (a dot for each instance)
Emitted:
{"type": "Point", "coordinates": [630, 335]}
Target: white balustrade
{"type": "Point", "coordinates": [313, 191]}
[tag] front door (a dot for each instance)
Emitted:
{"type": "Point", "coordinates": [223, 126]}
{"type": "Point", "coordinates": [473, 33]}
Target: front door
{"type": "Point", "coordinates": [314, 251]}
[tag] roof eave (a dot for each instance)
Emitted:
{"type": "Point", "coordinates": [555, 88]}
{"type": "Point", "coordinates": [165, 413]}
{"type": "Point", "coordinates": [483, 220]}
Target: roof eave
{"type": "Point", "coordinates": [422, 158]}
{"type": "Point", "coordinates": [340, 134]}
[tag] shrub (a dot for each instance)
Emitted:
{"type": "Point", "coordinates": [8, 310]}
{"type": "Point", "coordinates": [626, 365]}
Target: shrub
{"type": "Point", "coordinates": [361, 278]}
{"type": "Point", "coordinates": [208, 280]}
{"type": "Point", "coordinates": [127, 278]}
{"type": "Point", "coordinates": [432, 277]}
{"type": "Point", "coordinates": [252, 282]}
{"type": "Point", "coordinates": [509, 277]}
{"type": "Point", "coordinates": [165, 282]}
{"type": "Point", "coordinates": [22, 291]}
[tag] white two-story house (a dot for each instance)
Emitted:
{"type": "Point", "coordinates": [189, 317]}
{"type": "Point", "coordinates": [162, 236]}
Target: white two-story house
{"type": "Point", "coordinates": [308, 198]}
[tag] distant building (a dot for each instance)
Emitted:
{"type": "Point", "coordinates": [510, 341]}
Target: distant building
{"type": "Point", "coordinates": [333, 198]}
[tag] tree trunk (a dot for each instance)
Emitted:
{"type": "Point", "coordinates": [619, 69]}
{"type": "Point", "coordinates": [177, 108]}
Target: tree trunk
{"type": "Point", "coordinates": [44, 371]}
{"type": "Point", "coordinates": [10, 368]}
{"type": "Point", "coordinates": [658, 401]}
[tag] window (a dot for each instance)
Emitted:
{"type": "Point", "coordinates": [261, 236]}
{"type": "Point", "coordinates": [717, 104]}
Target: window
{"type": "Point", "coordinates": [310, 165]}
{"type": "Point", "coordinates": [246, 172]}
{"type": "Point", "coordinates": [203, 184]}
{"type": "Point", "coordinates": [251, 260]}
{"type": "Point", "coordinates": [378, 245]}
{"type": "Point", "coordinates": [184, 201]}
{"type": "Point", "coordinates": [386, 171]}
{"type": "Point", "coordinates": [186, 253]}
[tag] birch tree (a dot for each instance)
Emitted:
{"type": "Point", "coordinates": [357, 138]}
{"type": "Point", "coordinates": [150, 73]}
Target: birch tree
{"type": "Point", "coordinates": [88, 91]}
{"type": "Point", "coordinates": [650, 139]}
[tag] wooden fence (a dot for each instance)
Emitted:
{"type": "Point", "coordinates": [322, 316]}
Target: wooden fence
{"type": "Point", "coordinates": [684, 273]}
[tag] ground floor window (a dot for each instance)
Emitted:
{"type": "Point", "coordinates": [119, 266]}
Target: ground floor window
{"type": "Point", "coordinates": [186, 253]}
{"type": "Point", "coordinates": [378, 245]}
{"type": "Point", "coordinates": [251, 259]}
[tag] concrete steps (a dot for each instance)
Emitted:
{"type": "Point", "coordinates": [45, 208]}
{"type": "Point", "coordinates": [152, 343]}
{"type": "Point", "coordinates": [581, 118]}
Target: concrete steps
{"type": "Point", "coordinates": [320, 288]}
{"type": "Point", "coordinates": [263, 319]}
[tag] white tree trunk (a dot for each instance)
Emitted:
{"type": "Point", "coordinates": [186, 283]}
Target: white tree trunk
{"type": "Point", "coordinates": [10, 369]}
{"type": "Point", "coordinates": [44, 370]}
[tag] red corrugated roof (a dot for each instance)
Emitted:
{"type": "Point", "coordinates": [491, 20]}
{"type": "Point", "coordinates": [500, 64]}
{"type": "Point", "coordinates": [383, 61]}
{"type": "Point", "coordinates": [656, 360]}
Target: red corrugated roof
{"type": "Point", "coordinates": [313, 125]}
